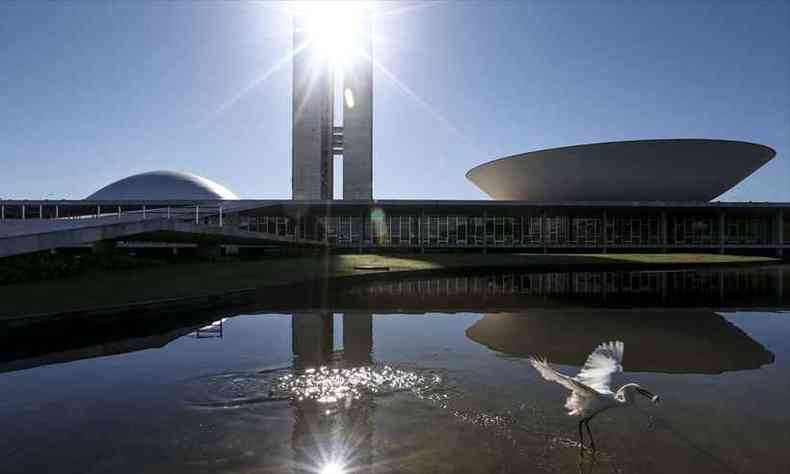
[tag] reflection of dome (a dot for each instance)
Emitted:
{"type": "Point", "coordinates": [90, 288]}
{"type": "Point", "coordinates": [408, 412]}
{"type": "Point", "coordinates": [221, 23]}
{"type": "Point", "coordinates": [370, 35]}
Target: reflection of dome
{"type": "Point", "coordinates": [162, 185]}
{"type": "Point", "coordinates": [640, 170]}
{"type": "Point", "coordinates": [691, 341]}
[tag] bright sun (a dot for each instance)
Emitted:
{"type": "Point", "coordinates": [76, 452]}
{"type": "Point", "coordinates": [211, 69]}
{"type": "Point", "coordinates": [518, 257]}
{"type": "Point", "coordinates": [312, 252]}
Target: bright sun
{"type": "Point", "coordinates": [335, 28]}
{"type": "Point", "coordinates": [332, 468]}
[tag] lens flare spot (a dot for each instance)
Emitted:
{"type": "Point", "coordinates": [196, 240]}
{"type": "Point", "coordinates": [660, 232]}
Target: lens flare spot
{"type": "Point", "coordinates": [349, 94]}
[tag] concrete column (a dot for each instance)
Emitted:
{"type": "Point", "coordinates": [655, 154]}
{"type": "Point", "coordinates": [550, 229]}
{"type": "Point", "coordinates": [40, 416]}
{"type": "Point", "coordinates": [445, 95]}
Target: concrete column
{"type": "Point", "coordinates": [485, 231]}
{"type": "Point", "coordinates": [220, 218]}
{"type": "Point", "coordinates": [543, 237]}
{"type": "Point", "coordinates": [40, 211]}
{"type": "Point", "coordinates": [780, 233]}
{"type": "Point", "coordinates": [722, 233]}
{"type": "Point", "coordinates": [2, 212]}
{"type": "Point", "coordinates": [23, 211]}
{"type": "Point", "coordinates": [362, 231]}
{"type": "Point", "coordinates": [326, 228]}
{"type": "Point", "coordinates": [721, 287]}
{"type": "Point", "coordinates": [419, 230]}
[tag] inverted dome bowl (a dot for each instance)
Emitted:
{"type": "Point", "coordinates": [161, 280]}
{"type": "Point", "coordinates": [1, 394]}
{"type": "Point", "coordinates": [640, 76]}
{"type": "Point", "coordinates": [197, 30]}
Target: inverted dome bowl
{"type": "Point", "coordinates": [642, 170]}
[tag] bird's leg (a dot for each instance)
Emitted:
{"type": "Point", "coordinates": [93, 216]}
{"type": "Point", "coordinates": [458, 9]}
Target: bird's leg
{"type": "Point", "coordinates": [581, 437]}
{"type": "Point", "coordinates": [592, 441]}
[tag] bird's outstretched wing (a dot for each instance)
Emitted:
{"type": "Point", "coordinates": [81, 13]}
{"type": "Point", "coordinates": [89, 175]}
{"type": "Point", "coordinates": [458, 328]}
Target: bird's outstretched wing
{"type": "Point", "coordinates": [604, 361]}
{"type": "Point", "coordinates": [548, 373]}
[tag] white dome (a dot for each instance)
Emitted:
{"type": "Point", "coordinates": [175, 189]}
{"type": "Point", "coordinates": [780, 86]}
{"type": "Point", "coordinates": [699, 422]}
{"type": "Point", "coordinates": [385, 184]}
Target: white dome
{"type": "Point", "coordinates": [162, 185]}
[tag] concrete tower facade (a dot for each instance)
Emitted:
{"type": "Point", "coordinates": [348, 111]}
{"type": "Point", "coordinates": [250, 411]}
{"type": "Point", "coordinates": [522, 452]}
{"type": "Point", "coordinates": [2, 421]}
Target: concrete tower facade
{"type": "Point", "coordinates": [316, 140]}
{"type": "Point", "coordinates": [358, 120]}
{"type": "Point", "coordinates": [312, 119]}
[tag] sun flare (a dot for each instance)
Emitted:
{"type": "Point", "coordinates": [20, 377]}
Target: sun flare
{"type": "Point", "coordinates": [335, 27]}
{"type": "Point", "coordinates": [332, 468]}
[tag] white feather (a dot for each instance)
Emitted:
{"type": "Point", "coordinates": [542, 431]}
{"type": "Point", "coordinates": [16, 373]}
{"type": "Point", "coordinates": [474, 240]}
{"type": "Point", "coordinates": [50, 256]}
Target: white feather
{"type": "Point", "coordinates": [604, 361]}
{"type": "Point", "coordinates": [591, 388]}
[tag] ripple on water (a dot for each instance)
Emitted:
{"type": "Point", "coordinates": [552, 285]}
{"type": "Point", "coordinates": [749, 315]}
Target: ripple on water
{"type": "Point", "coordinates": [327, 385]}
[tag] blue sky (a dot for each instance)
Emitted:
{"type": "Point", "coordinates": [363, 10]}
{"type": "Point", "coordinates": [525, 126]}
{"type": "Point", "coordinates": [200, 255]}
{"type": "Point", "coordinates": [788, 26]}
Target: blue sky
{"type": "Point", "coordinates": [94, 91]}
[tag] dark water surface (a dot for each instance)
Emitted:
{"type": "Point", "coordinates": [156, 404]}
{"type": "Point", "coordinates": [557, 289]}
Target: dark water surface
{"type": "Point", "coordinates": [425, 374]}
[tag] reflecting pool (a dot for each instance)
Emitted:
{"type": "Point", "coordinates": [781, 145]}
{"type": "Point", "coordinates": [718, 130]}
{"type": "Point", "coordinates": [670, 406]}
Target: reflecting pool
{"type": "Point", "coordinates": [418, 374]}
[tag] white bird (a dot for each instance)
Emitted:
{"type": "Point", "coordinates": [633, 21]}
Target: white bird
{"type": "Point", "coordinates": [590, 389]}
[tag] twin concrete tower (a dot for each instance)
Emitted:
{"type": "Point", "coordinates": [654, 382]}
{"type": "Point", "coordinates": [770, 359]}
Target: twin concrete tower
{"type": "Point", "coordinates": [317, 138]}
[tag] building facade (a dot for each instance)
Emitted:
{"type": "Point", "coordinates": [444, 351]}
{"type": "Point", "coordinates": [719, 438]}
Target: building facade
{"type": "Point", "coordinates": [533, 227]}
{"type": "Point", "coordinates": [318, 135]}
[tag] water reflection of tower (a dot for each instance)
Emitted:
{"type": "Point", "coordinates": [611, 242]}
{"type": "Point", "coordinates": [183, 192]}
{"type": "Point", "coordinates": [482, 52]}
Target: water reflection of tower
{"type": "Point", "coordinates": [324, 433]}
{"type": "Point", "coordinates": [312, 339]}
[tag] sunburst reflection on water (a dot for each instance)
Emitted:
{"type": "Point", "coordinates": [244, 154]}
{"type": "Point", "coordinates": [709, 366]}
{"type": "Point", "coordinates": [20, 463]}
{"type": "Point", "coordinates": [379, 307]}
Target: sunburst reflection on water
{"type": "Point", "coordinates": [330, 385]}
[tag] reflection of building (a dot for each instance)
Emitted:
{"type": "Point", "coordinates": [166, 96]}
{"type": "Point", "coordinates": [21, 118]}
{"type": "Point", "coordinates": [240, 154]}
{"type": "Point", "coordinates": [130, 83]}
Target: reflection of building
{"type": "Point", "coordinates": [312, 337]}
{"type": "Point", "coordinates": [59, 342]}
{"type": "Point", "coordinates": [210, 331]}
{"type": "Point", "coordinates": [507, 290]}
{"type": "Point", "coordinates": [690, 341]}
{"type": "Point", "coordinates": [332, 433]}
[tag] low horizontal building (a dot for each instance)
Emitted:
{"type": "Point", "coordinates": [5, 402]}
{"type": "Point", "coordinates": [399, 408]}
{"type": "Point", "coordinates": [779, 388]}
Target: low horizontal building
{"type": "Point", "coordinates": [649, 195]}
{"type": "Point", "coordinates": [484, 225]}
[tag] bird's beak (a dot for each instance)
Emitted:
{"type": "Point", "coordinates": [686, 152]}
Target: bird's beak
{"type": "Point", "coordinates": [648, 394]}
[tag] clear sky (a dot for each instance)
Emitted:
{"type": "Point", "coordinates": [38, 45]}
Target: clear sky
{"type": "Point", "coordinates": [93, 91]}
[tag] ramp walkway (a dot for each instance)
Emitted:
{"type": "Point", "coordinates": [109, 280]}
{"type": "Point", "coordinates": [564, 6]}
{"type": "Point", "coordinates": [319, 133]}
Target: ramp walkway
{"type": "Point", "coordinates": [20, 236]}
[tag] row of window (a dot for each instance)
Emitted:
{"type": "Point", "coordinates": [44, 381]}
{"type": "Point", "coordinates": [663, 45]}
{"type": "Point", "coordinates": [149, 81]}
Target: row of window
{"type": "Point", "coordinates": [498, 231]}
{"type": "Point", "coordinates": [579, 284]}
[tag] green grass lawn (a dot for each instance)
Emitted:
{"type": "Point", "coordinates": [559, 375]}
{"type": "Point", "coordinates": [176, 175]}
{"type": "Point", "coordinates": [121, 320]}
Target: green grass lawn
{"type": "Point", "coordinates": [192, 279]}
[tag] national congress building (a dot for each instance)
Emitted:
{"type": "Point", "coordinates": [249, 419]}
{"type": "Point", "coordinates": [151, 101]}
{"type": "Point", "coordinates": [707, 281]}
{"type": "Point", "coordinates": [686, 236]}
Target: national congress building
{"type": "Point", "coordinates": [645, 195]}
